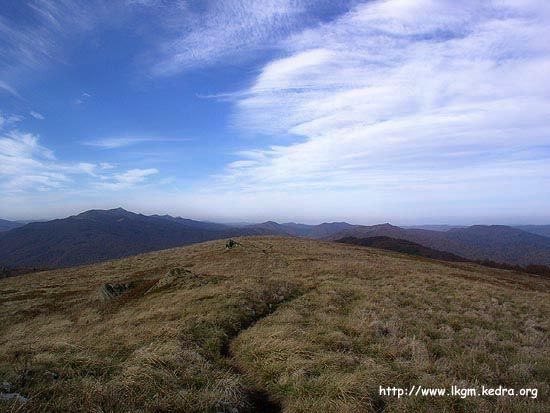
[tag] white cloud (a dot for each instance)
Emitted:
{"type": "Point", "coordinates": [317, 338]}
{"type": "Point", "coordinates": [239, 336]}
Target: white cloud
{"type": "Point", "coordinates": [113, 143]}
{"type": "Point", "coordinates": [106, 165]}
{"type": "Point", "coordinates": [88, 168]}
{"type": "Point", "coordinates": [28, 166]}
{"type": "Point", "coordinates": [82, 98]}
{"type": "Point", "coordinates": [120, 142]}
{"type": "Point", "coordinates": [24, 163]}
{"type": "Point", "coordinates": [8, 121]}
{"type": "Point", "coordinates": [128, 179]}
{"type": "Point", "coordinates": [405, 96]}
{"type": "Point", "coordinates": [37, 115]}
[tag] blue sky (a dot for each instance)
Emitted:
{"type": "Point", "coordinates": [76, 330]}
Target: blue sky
{"type": "Point", "coordinates": [409, 111]}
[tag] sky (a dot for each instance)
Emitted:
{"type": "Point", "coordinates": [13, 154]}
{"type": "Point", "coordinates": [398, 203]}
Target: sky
{"type": "Point", "coordinates": [407, 111]}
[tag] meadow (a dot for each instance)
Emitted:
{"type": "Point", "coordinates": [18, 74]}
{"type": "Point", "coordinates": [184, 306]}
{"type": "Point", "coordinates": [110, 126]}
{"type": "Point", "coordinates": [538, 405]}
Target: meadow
{"type": "Point", "coordinates": [273, 324]}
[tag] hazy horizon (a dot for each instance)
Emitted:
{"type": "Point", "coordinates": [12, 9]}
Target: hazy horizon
{"type": "Point", "coordinates": [227, 220]}
{"type": "Point", "coordinates": [410, 112]}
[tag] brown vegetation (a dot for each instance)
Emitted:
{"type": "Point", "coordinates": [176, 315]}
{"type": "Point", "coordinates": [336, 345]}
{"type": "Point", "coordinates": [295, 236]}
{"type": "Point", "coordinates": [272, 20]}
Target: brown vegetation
{"type": "Point", "coordinates": [278, 323]}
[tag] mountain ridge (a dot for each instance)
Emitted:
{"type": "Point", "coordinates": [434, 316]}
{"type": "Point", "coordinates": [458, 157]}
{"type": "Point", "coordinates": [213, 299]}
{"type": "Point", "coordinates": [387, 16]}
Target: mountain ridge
{"type": "Point", "coordinates": [97, 235]}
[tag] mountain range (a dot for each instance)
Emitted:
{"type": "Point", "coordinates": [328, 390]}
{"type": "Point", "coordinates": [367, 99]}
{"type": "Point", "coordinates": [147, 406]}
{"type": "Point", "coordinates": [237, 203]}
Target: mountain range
{"type": "Point", "coordinates": [99, 235]}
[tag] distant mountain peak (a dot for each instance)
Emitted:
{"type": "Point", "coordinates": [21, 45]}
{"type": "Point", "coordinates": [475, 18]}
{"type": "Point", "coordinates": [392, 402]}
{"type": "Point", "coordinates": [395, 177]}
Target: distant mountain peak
{"type": "Point", "coordinates": [119, 209]}
{"type": "Point", "coordinates": [385, 225]}
{"type": "Point", "coordinates": [102, 212]}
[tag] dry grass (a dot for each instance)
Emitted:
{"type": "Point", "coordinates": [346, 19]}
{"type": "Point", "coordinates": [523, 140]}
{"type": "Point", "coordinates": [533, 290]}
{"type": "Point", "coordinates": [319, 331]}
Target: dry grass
{"type": "Point", "coordinates": [317, 325]}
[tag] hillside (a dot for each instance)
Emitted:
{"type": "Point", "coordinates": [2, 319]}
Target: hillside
{"type": "Point", "coordinates": [502, 244]}
{"type": "Point", "coordinates": [479, 242]}
{"type": "Point", "coordinates": [543, 230]}
{"type": "Point", "coordinates": [6, 225]}
{"type": "Point", "coordinates": [274, 324]}
{"type": "Point", "coordinates": [402, 246]}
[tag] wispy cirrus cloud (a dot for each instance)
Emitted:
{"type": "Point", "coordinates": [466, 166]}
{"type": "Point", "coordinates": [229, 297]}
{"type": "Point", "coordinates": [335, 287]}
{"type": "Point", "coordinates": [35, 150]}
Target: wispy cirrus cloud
{"type": "Point", "coordinates": [124, 141]}
{"type": "Point", "coordinates": [228, 29]}
{"type": "Point", "coordinates": [127, 179]}
{"type": "Point", "coordinates": [47, 33]}
{"type": "Point", "coordinates": [7, 88]}
{"type": "Point", "coordinates": [25, 163]}
{"type": "Point", "coordinates": [8, 121]}
{"type": "Point", "coordinates": [38, 42]}
{"type": "Point", "coordinates": [37, 115]}
{"type": "Point", "coordinates": [403, 95]}
{"type": "Point", "coordinates": [82, 98]}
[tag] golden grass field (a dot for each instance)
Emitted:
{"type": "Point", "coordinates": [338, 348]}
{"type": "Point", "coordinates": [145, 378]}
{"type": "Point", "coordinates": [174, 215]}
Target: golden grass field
{"type": "Point", "coordinates": [276, 324]}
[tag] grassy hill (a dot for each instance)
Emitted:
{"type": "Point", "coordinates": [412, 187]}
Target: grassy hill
{"type": "Point", "coordinates": [275, 324]}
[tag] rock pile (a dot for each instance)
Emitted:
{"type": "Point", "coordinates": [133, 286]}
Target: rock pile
{"type": "Point", "coordinates": [109, 292]}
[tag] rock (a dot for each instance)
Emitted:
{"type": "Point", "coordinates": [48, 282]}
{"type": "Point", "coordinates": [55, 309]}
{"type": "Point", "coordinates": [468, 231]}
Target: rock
{"type": "Point", "coordinates": [231, 244]}
{"type": "Point", "coordinates": [51, 374]}
{"type": "Point", "coordinates": [13, 397]}
{"type": "Point", "coordinates": [224, 407]}
{"type": "Point", "coordinates": [177, 272]}
{"type": "Point", "coordinates": [110, 291]}
{"type": "Point", "coordinates": [172, 277]}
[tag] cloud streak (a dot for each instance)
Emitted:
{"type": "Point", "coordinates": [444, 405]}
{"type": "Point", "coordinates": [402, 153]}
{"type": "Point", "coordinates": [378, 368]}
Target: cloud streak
{"type": "Point", "coordinates": [122, 142]}
{"type": "Point", "coordinates": [128, 179]}
{"type": "Point", "coordinates": [6, 87]}
{"type": "Point", "coordinates": [37, 115]}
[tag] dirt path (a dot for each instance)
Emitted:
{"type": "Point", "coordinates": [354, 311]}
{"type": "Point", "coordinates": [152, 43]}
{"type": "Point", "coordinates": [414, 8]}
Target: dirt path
{"type": "Point", "coordinates": [259, 399]}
